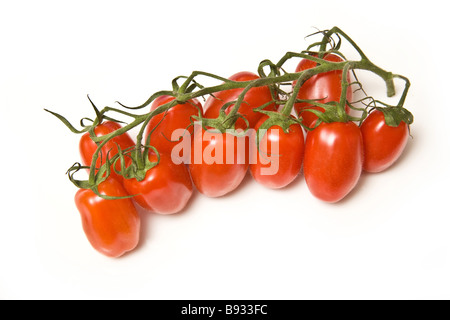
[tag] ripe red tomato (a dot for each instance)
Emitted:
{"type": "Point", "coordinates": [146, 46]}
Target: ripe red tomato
{"type": "Point", "coordinates": [285, 152]}
{"type": "Point", "coordinates": [325, 86]}
{"type": "Point", "coordinates": [111, 226]}
{"type": "Point", "coordinates": [383, 144]}
{"type": "Point", "coordinates": [177, 117]}
{"type": "Point", "coordinates": [87, 146]}
{"type": "Point", "coordinates": [218, 161]}
{"type": "Point", "coordinates": [333, 160]}
{"type": "Point", "coordinates": [166, 188]}
{"type": "Point", "coordinates": [254, 98]}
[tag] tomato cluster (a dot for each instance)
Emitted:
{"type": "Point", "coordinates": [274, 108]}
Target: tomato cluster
{"type": "Point", "coordinates": [210, 147]}
{"type": "Point", "coordinates": [112, 226]}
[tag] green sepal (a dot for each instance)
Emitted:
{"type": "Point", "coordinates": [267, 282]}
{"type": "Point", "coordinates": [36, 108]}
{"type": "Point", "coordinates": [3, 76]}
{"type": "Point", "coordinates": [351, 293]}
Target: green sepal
{"type": "Point", "coordinates": [67, 123]}
{"type": "Point", "coordinates": [332, 111]}
{"type": "Point", "coordinates": [149, 100]}
{"type": "Point", "coordinates": [97, 112]}
{"type": "Point", "coordinates": [92, 184]}
{"type": "Point", "coordinates": [224, 122]}
{"type": "Point", "coordinates": [274, 119]}
{"type": "Point", "coordinates": [86, 128]}
{"type": "Point", "coordinates": [393, 116]}
{"type": "Point", "coordinates": [82, 184]}
{"type": "Point", "coordinates": [135, 170]}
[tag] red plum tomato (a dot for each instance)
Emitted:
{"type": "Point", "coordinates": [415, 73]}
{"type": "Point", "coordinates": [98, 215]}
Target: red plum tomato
{"type": "Point", "coordinates": [166, 188]}
{"type": "Point", "coordinates": [171, 128]}
{"type": "Point", "coordinates": [254, 98]}
{"type": "Point", "coordinates": [88, 147]}
{"type": "Point", "coordinates": [333, 160]}
{"type": "Point", "coordinates": [111, 226]}
{"type": "Point", "coordinates": [324, 86]}
{"type": "Point", "coordinates": [280, 156]}
{"type": "Point", "coordinates": [218, 161]}
{"type": "Point", "coordinates": [383, 144]}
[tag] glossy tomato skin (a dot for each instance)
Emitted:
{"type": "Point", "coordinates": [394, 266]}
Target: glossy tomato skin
{"type": "Point", "coordinates": [214, 170]}
{"type": "Point", "coordinates": [285, 151]}
{"type": "Point", "coordinates": [111, 226]}
{"type": "Point", "coordinates": [333, 160]}
{"type": "Point", "coordinates": [254, 98]}
{"type": "Point", "coordinates": [325, 86]}
{"type": "Point", "coordinates": [383, 144]}
{"type": "Point", "coordinates": [87, 147]}
{"type": "Point", "coordinates": [164, 125]}
{"type": "Point", "coordinates": [166, 188]}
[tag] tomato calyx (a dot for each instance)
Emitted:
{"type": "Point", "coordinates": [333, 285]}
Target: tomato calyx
{"type": "Point", "coordinates": [274, 119]}
{"type": "Point", "coordinates": [224, 122]}
{"type": "Point", "coordinates": [130, 167]}
{"type": "Point", "coordinates": [94, 179]}
{"type": "Point", "coordinates": [333, 112]}
{"type": "Point", "coordinates": [393, 116]}
{"type": "Point", "coordinates": [100, 117]}
{"type": "Point", "coordinates": [138, 162]}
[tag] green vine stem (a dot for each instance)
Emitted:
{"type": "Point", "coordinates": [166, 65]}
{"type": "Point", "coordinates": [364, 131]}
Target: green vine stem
{"type": "Point", "coordinates": [191, 88]}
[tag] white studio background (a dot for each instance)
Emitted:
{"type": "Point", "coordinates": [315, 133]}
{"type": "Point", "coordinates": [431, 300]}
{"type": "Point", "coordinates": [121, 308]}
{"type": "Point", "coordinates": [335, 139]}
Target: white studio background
{"type": "Point", "coordinates": [389, 239]}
